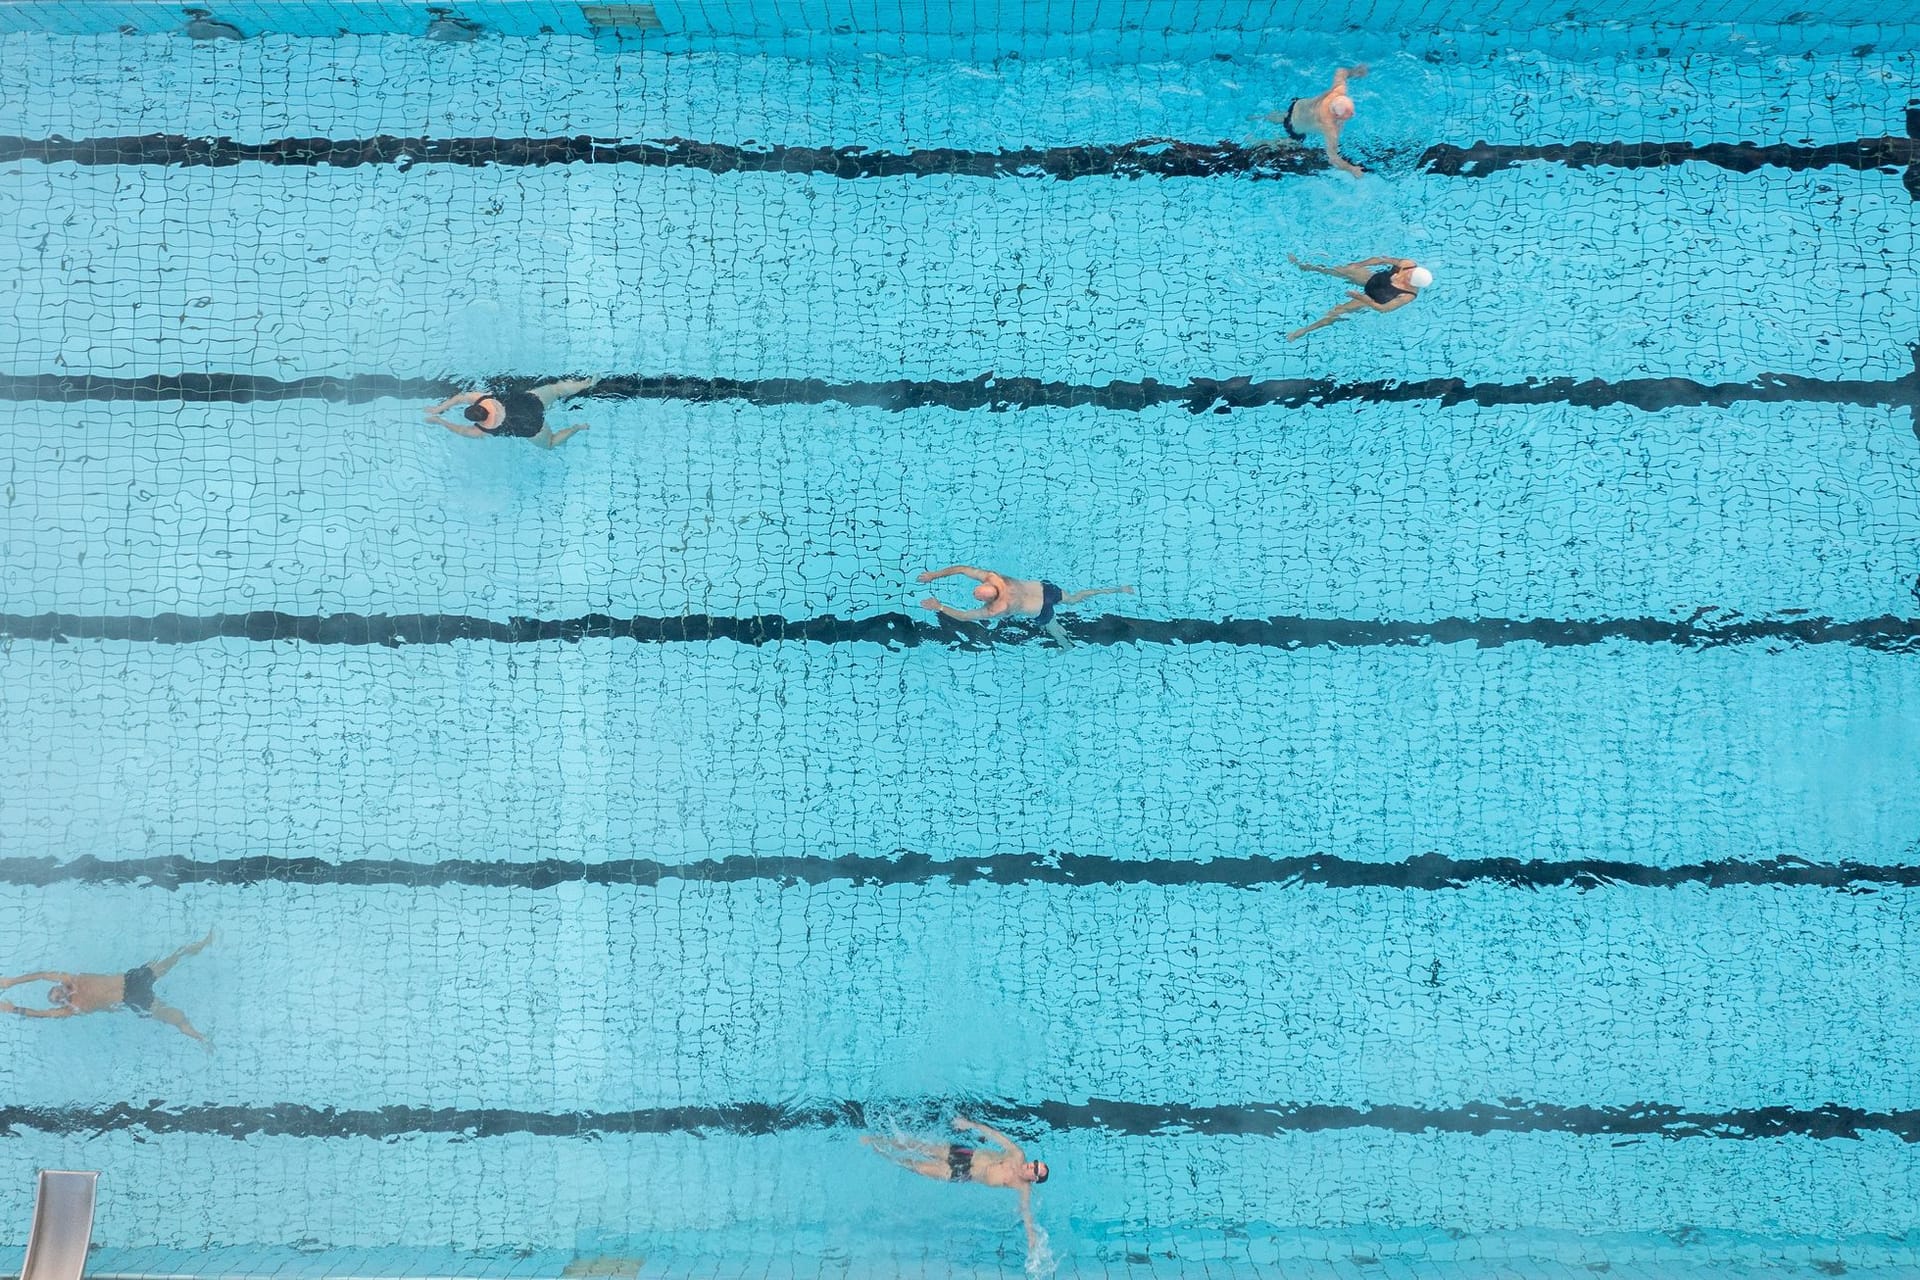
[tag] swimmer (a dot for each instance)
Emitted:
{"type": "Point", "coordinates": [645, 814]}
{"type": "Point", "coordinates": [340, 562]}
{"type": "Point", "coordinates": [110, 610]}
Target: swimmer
{"type": "Point", "coordinates": [1325, 114]}
{"type": "Point", "coordinates": [73, 994]}
{"type": "Point", "coordinates": [1007, 1168]}
{"type": "Point", "coordinates": [1004, 597]}
{"type": "Point", "coordinates": [513, 413]}
{"type": "Point", "coordinates": [1386, 284]}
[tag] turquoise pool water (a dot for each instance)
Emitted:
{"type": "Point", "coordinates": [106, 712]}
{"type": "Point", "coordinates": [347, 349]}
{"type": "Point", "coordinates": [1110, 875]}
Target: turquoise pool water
{"type": "Point", "coordinates": [1489, 838]}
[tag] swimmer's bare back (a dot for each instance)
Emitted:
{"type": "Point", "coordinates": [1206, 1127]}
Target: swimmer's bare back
{"type": "Point", "coordinates": [1326, 113]}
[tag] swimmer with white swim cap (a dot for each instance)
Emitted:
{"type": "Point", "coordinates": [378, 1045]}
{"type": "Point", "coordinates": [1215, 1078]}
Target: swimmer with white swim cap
{"type": "Point", "coordinates": [1385, 285]}
{"type": "Point", "coordinates": [1325, 114]}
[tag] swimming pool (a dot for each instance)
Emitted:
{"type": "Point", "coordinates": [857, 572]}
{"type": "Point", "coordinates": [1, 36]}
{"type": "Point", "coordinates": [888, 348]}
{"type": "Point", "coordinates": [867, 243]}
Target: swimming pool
{"type": "Point", "coordinates": [1486, 843]}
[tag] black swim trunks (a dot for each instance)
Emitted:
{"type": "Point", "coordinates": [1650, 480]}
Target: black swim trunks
{"type": "Point", "coordinates": [139, 989]}
{"type": "Point", "coordinates": [525, 414]}
{"type": "Point", "coordinates": [1286, 122]}
{"type": "Point", "coordinates": [1050, 596]}
{"type": "Point", "coordinates": [959, 1164]}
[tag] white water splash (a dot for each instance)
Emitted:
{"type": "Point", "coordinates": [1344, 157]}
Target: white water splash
{"type": "Point", "coordinates": [1041, 1263]}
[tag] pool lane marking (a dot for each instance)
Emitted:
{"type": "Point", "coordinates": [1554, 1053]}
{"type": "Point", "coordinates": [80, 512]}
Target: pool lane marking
{"type": "Point", "coordinates": [1145, 157]}
{"type": "Point", "coordinates": [1105, 1118]}
{"type": "Point", "coordinates": [1425, 872]}
{"type": "Point", "coordinates": [1001, 395]}
{"type": "Point", "coordinates": [1885, 634]}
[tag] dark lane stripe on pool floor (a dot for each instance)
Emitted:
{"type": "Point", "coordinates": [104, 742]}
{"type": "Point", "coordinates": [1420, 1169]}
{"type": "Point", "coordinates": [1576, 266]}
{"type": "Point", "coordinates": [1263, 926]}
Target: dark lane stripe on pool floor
{"type": "Point", "coordinates": [1116, 1119]}
{"type": "Point", "coordinates": [1199, 395]}
{"type": "Point", "coordinates": [1885, 634]}
{"type": "Point", "coordinates": [1145, 157]}
{"type": "Point", "coordinates": [1429, 871]}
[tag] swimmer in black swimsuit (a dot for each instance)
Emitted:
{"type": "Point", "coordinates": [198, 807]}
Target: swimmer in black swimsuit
{"type": "Point", "coordinates": [1326, 114]}
{"type": "Point", "coordinates": [1004, 597]}
{"type": "Point", "coordinates": [513, 413]}
{"type": "Point", "coordinates": [1006, 1167]}
{"type": "Point", "coordinates": [1386, 284]}
{"type": "Point", "coordinates": [73, 994]}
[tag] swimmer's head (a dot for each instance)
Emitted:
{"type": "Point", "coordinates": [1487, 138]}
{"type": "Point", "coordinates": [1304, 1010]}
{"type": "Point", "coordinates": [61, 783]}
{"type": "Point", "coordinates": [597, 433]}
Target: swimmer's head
{"type": "Point", "coordinates": [477, 413]}
{"type": "Point", "coordinates": [1340, 108]}
{"type": "Point", "coordinates": [986, 593]}
{"type": "Point", "coordinates": [58, 995]}
{"type": "Point", "coordinates": [1037, 1171]}
{"type": "Point", "coordinates": [1419, 277]}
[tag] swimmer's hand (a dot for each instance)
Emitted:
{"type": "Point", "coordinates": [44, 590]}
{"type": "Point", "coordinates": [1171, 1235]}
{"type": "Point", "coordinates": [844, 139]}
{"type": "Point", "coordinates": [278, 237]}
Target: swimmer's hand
{"type": "Point", "coordinates": [930, 603]}
{"type": "Point", "coordinates": [8, 1006]}
{"type": "Point", "coordinates": [1357, 71]}
{"type": "Point", "coordinates": [928, 576]}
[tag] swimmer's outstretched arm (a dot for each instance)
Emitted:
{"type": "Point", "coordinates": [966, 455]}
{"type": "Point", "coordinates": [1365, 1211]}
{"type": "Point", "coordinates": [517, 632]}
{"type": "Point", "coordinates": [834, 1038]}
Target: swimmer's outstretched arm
{"type": "Point", "coordinates": [1332, 139]}
{"type": "Point", "coordinates": [978, 575]}
{"type": "Point", "coordinates": [958, 615]}
{"type": "Point", "coordinates": [64, 1011]}
{"type": "Point", "coordinates": [991, 1134]}
{"type": "Point", "coordinates": [45, 975]}
{"type": "Point", "coordinates": [458, 428]}
{"type": "Point", "coordinates": [1026, 1218]}
{"type": "Point", "coordinates": [464, 397]}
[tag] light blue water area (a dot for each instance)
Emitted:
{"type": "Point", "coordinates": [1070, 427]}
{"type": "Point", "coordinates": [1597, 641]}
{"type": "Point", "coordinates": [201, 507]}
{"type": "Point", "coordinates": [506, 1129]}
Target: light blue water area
{"type": "Point", "coordinates": [694, 751]}
{"type": "Point", "coordinates": [576, 999]}
{"type": "Point", "coordinates": [351, 1020]}
{"type": "Point", "coordinates": [604, 269]}
{"type": "Point", "coordinates": [1351, 511]}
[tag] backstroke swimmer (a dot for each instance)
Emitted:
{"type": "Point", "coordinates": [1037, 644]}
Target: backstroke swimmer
{"type": "Point", "coordinates": [1386, 284]}
{"type": "Point", "coordinates": [1325, 113]}
{"type": "Point", "coordinates": [1007, 1167]}
{"type": "Point", "coordinates": [1004, 597]}
{"type": "Point", "coordinates": [514, 413]}
{"type": "Point", "coordinates": [73, 994]}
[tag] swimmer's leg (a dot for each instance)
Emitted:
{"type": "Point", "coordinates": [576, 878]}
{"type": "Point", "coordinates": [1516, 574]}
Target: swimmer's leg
{"type": "Point", "coordinates": [1059, 633]}
{"type": "Point", "coordinates": [561, 390]}
{"type": "Point", "coordinates": [160, 967]}
{"type": "Point", "coordinates": [929, 1159]}
{"type": "Point", "coordinates": [164, 1012]}
{"type": "Point", "coordinates": [1075, 597]}
{"type": "Point", "coordinates": [547, 438]}
{"type": "Point", "coordinates": [1340, 312]}
{"type": "Point", "coordinates": [1351, 272]}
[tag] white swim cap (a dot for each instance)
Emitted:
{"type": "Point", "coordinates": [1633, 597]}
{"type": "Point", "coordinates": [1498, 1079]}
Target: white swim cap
{"type": "Point", "coordinates": [1419, 277]}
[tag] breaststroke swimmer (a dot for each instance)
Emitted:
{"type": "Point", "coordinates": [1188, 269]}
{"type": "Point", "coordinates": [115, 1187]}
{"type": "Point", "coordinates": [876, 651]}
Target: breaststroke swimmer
{"type": "Point", "coordinates": [514, 413]}
{"type": "Point", "coordinates": [73, 994]}
{"type": "Point", "coordinates": [1007, 1167]}
{"type": "Point", "coordinates": [1386, 284]}
{"type": "Point", "coordinates": [1004, 597]}
{"type": "Point", "coordinates": [1326, 113]}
